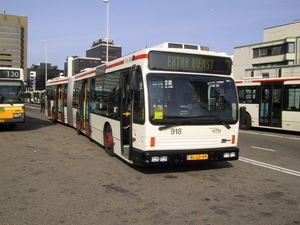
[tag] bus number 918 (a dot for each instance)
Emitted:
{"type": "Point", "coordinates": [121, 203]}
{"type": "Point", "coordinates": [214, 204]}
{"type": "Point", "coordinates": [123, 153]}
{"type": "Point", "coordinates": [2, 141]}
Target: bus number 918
{"type": "Point", "coordinates": [176, 131]}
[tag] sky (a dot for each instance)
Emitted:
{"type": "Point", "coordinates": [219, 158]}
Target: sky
{"type": "Point", "coordinates": [71, 26]}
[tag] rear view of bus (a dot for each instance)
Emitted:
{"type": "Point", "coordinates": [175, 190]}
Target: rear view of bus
{"type": "Point", "coordinates": [12, 108]}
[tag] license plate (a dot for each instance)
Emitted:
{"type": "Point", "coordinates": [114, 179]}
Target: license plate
{"type": "Point", "coordinates": [197, 157]}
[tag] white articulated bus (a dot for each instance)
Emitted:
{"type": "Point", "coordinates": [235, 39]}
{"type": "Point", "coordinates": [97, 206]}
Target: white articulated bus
{"type": "Point", "coordinates": [12, 87]}
{"type": "Point", "coordinates": [169, 104]}
{"type": "Point", "coordinates": [272, 103]}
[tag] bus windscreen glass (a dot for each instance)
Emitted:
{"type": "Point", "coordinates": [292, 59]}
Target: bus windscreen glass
{"type": "Point", "coordinates": [183, 62]}
{"type": "Point", "coordinates": [188, 99]}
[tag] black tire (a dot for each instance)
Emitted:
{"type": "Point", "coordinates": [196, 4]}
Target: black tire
{"type": "Point", "coordinates": [247, 123]}
{"type": "Point", "coordinates": [109, 141]}
{"type": "Point", "coordinates": [78, 131]}
{"type": "Point", "coordinates": [53, 120]}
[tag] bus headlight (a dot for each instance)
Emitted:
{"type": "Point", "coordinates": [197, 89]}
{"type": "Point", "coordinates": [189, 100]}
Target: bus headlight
{"type": "Point", "coordinates": [226, 155]}
{"type": "Point", "coordinates": [163, 159]}
{"type": "Point", "coordinates": [232, 154]}
{"type": "Point", "coordinates": [154, 159]}
{"type": "Point", "coordinates": [229, 155]}
{"type": "Point", "coordinates": [159, 159]}
{"type": "Point", "coordinates": [18, 115]}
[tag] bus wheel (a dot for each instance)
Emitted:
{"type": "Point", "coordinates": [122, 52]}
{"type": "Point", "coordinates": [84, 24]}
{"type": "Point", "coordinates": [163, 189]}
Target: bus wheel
{"type": "Point", "coordinates": [109, 141]}
{"type": "Point", "coordinates": [247, 124]}
{"type": "Point", "coordinates": [53, 117]}
{"type": "Point", "coordinates": [78, 131]}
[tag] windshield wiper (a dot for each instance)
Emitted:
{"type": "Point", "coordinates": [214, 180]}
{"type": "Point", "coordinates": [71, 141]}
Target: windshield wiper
{"type": "Point", "coordinates": [221, 121]}
{"type": "Point", "coordinates": [3, 98]}
{"type": "Point", "coordinates": [170, 125]}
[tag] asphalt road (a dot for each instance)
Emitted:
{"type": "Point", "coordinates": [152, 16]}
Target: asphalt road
{"type": "Point", "coordinates": [51, 175]}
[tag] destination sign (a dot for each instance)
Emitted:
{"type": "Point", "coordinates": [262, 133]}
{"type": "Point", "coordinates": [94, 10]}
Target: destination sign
{"type": "Point", "coordinates": [189, 63]}
{"type": "Point", "coordinates": [11, 73]}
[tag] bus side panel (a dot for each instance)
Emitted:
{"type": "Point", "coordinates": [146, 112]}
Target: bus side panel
{"type": "Point", "coordinates": [74, 113]}
{"type": "Point", "coordinates": [97, 125]}
{"type": "Point", "coordinates": [253, 110]}
{"type": "Point", "coordinates": [69, 110]}
{"type": "Point", "coordinates": [290, 120]}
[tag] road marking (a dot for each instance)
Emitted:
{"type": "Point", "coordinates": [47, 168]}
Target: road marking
{"type": "Point", "coordinates": [265, 149]}
{"type": "Point", "coordinates": [270, 135]}
{"type": "Point", "coordinates": [31, 107]}
{"type": "Point", "coordinates": [269, 166]}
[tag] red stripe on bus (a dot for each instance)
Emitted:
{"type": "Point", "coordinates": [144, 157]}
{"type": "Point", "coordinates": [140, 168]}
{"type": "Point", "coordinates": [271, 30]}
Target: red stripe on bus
{"type": "Point", "coordinates": [142, 56]}
{"type": "Point", "coordinates": [57, 81]}
{"type": "Point", "coordinates": [270, 80]}
{"type": "Point", "coordinates": [136, 57]}
{"type": "Point", "coordinates": [86, 74]}
{"type": "Point", "coordinates": [115, 64]}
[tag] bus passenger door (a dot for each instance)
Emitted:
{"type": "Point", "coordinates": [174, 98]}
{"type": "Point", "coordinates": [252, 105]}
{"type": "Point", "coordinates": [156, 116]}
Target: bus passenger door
{"type": "Point", "coordinates": [125, 116]}
{"type": "Point", "coordinates": [60, 100]}
{"type": "Point", "coordinates": [270, 105]}
{"type": "Point", "coordinates": [54, 111]}
{"type": "Point", "coordinates": [82, 123]}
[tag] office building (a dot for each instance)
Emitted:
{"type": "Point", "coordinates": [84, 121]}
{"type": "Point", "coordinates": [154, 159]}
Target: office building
{"type": "Point", "coordinates": [37, 75]}
{"type": "Point", "coordinates": [76, 64]}
{"type": "Point", "coordinates": [277, 56]}
{"type": "Point", "coordinates": [13, 41]}
{"type": "Point", "coordinates": [95, 56]}
{"type": "Point", "coordinates": [98, 50]}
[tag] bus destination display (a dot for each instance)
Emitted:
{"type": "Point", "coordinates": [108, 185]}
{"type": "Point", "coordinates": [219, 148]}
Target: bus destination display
{"type": "Point", "coordinates": [10, 74]}
{"type": "Point", "coordinates": [189, 63]}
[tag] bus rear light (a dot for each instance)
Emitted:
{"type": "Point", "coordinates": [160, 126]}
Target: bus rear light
{"type": "Point", "coordinates": [152, 142]}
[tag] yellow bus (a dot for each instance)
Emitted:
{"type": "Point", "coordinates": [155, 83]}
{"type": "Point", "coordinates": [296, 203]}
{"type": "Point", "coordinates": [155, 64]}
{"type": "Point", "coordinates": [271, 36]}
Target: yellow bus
{"type": "Point", "coordinates": [169, 104]}
{"type": "Point", "coordinates": [12, 108]}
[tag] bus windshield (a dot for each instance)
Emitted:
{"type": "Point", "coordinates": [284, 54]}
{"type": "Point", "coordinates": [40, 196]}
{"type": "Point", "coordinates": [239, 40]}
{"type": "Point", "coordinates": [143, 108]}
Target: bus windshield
{"type": "Point", "coordinates": [189, 99]}
{"type": "Point", "coordinates": [11, 92]}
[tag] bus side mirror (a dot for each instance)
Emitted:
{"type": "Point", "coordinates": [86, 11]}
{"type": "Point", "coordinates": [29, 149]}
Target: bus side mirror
{"type": "Point", "coordinates": [134, 79]}
{"type": "Point", "coordinates": [242, 115]}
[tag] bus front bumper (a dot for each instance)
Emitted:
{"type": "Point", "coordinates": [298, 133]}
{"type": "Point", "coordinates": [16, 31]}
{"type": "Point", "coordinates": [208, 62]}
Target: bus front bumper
{"type": "Point", "coordinates": [172, 157]}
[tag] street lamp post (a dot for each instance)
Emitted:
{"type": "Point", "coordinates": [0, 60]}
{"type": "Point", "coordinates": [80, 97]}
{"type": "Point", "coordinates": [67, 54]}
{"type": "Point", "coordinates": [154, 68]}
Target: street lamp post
{"type": "Point", "coordinates": [107, 18]}
{"type": "Point", "coordinates": [46, 76]}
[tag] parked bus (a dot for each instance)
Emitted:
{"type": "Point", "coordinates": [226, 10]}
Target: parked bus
{"type": "Point", "coordinates": [34, 96]}
{"type": "Point", "coordinates": [28, 97]}
{"type": "Point", "coordinates": [12, 108]}
{"type": "Point", "coordinates": [272, 103]}
{"type": "Point", "coordinates": [169, 104]}
{"type": "Point", "coordinates": [37, 96]}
